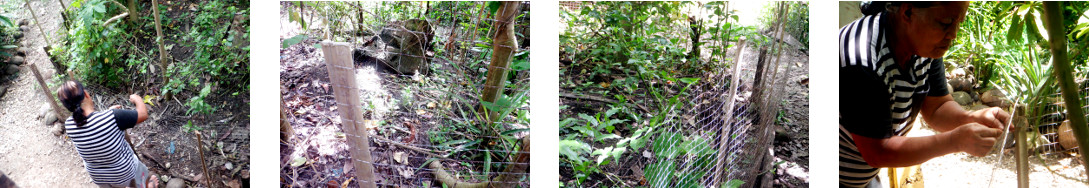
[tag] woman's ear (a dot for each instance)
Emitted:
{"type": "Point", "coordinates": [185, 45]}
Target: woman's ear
{"type": "Point", "coordinates": [906, 10]}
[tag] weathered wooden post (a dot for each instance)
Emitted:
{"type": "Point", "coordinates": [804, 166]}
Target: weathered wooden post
{"type": "Point", "coordinates": [503, 47]}
{"type": "Point", "coordinates": [285, 126]}
{"type": "Point", "coordinates": [724, 136]}
{"type": "Point", "coordinates": [38, 23]}
{"type": "Point", "coordinates": [1021, 135]}
{"type": "Point", "coordinates": [338, 60]}
{"type": "Point", "coordinates": [1054, 19]}
{"type": "Point", "coordinates": [162, 50]}
{"type": "Point", "coordinates": [45, 89]}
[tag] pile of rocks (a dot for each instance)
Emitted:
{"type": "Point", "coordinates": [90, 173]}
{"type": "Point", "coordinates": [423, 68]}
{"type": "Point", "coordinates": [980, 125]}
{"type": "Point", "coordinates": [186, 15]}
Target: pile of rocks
{"type": "Point", "coordinates": [18, 56]}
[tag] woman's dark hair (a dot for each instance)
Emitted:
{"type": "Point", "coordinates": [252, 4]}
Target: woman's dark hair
{"type": "Point", "coordinates": [71, 94]}
{"type": "Point", "coordinates": [874, 7]}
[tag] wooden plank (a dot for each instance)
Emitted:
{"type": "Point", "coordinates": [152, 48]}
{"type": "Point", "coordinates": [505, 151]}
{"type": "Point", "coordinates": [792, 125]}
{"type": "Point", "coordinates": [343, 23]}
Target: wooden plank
{"type": "Point", "coordinates": [338, 60]}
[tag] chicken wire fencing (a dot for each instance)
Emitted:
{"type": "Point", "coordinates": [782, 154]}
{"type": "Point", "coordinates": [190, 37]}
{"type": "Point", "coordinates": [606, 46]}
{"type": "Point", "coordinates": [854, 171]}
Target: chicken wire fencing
{"type": "Point", "coordinates": [413, 87]}
{"type": "Point", "coordinates": [726, 138]}
{"type": "Point", "coordinates": [1051, 139]}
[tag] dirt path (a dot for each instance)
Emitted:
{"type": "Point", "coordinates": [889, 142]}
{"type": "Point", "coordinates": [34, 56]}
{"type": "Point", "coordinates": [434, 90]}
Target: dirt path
{"type": "Point", "coordinates": [963, 170]}
{"type": "Point", "coordinates": [34, 157]}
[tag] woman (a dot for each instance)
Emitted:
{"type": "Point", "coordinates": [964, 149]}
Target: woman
{"type": "Point", "coordinates": [891, 71]}
{"type": "Point", "coordinates": [99, 137]}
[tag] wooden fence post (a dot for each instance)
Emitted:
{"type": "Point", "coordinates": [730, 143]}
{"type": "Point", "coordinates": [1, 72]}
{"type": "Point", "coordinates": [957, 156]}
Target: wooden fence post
{"type": "Point", "coordinates": [162, 51]}
{"type": "Point", "coordinates": [724, 136]}
{"type": "Point", "coordinates": [503, 48]}
{"type": "Point", "coordinates": [45, 89]}
{"type": "Point", "coordinates": [1021, 154]}
{"type": "Point", "coordinates": [38, 23]}
{"type": "Point", "coordinates": [338, 61]}
{"type": "Point", "coordinates": [285, 126]}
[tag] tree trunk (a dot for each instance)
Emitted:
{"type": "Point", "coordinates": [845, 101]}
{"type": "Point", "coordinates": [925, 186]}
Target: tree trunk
{"type": "Point", "coordinates": [162, 50]}
{"type": "Point", "coordinates": [132, 12]}
{"type": "Point", "coordinates": [1054, 20]}
{"type": "Point", "coordinates": [503, 48]}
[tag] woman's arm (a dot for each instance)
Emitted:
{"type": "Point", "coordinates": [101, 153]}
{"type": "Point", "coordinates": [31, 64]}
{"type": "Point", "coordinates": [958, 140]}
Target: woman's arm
{"type": "Point", "coordinates": [942, 113]}
{"type": "Point", "coordinates": [901, 151]}
{"type": "Point", "coordinates": [141, 108]}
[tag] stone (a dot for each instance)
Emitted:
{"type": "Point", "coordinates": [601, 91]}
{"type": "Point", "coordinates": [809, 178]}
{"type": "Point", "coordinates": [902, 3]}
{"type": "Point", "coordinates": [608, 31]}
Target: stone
{"type": "Point", "coordinates": [44, 110]}
{"type": "Point", "coordinates": [164, 178]}
{"type": "Point", "coordinates": [23, 22]}
{"type": "Point", "coordinates": [24, 29]}
{"type": "Point", "coordinates": [995, 98]}
{"type": "Point", "coordinates": [11, 70]}
{"type": "Point", "coordinates": [963, 83]}
{"type": "Point", "coordinates": [22, 51]}
{"type": "Point", "coordinates": [49, 118]}
{"type": "Point", "coordinates": [18, 35]}
{"type": "Point", "coordinates": [1066, 136]}
{"type": "Point", "coordinates": [962, 98]}
{"type": "Point", "coordinates": [17, 60]}
{"type": "Point", "coordinates": [3, 90]}
{"type": "Point", "coordinates": [175, 183]}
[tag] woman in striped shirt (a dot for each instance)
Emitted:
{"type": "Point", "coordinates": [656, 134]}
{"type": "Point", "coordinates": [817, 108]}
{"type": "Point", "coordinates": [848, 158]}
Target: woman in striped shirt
{"type": "Point", "coordinates": [99, 137]}
{"type": "Point", "coordinates": [890, 72]}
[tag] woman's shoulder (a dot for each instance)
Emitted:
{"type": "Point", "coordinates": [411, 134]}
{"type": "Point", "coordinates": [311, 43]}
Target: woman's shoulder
{"type": "Point", "coordinates": [861, 42]}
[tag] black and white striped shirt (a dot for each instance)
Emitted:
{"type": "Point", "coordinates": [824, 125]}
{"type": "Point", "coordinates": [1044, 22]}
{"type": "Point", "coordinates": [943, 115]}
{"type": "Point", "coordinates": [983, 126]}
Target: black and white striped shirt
{"type": "Point", "coordinates": [101, 143]}
{"type": "Point", "coordinates": [878, 97]}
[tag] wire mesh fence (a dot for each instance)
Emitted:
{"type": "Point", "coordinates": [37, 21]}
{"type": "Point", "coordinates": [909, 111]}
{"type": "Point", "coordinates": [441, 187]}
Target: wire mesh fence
{"type": "Point", "coordinates": [420, 69]}
{"type": "Point", "coordinates": [660, 132]}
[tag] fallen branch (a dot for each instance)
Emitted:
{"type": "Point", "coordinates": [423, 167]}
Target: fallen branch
{"type": "Point", "coordinates": [509, 177]}
{"type": "Point", "coordinates": [600, 99]}
{"type": "Point", "coordinates": [119, 16]}
{"type": "Point", "coordinates": [413, 148]}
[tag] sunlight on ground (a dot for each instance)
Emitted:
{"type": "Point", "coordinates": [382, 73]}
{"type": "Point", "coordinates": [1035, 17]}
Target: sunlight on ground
{"type": "Point", "coordinates": [374, 97]}
{"type": "Point", "coordinates": [328, 140]}
{"type": "Point", "coordinates": [963, 170]}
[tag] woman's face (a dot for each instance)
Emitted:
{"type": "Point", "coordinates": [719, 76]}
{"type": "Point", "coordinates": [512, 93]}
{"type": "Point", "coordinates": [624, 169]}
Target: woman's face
{"type": "Point", "coordinates": [931, 30]}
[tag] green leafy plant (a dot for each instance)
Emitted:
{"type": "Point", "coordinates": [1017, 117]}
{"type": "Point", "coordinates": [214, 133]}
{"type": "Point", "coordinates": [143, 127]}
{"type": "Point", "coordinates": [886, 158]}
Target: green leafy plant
{"type": "Point", "coordinates": [94, 49]}
{"type": "Point", "coordinates": [197, 105]}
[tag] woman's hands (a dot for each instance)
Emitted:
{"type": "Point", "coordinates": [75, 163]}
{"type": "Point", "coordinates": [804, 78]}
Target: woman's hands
{"type": "Point", "coordinates": [974, 138]}
{"type": "Point", "coordinates": [134, 98]}
{"type": "Point", "coordinates": [992, 117]}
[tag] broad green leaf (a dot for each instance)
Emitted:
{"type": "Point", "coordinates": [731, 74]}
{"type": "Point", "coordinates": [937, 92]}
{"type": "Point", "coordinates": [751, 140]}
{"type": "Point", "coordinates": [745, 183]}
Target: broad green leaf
{"type": "Point", "coordinates": [293, 40]}
{"type": "Point", "coordinates": [298, 161]}
{"type": "Point", "coordinates": [572, 149]}
{"type": "Point", "coordinates": [734, 183]}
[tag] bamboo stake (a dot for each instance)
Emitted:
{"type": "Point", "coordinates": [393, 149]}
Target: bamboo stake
{"type": "Point", "coordinates": [45, 89]}
{"type": "Point", "coordinates": [38, 23]}
{"type": "Point", "coordinates": [1054, 20]}
{"type": "Point", "coordinates": [64, 22]}
{"type": "Point", "coordinates": [1022, 150]}
{"type": "Point", "coordinates": [162, 50]}
{"type": "Point", "coordinates": [725, 134]}
{"type": "Point", "coordinates": [200, 148]}
{"type": "Point", "coordinates": [338, 60]}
